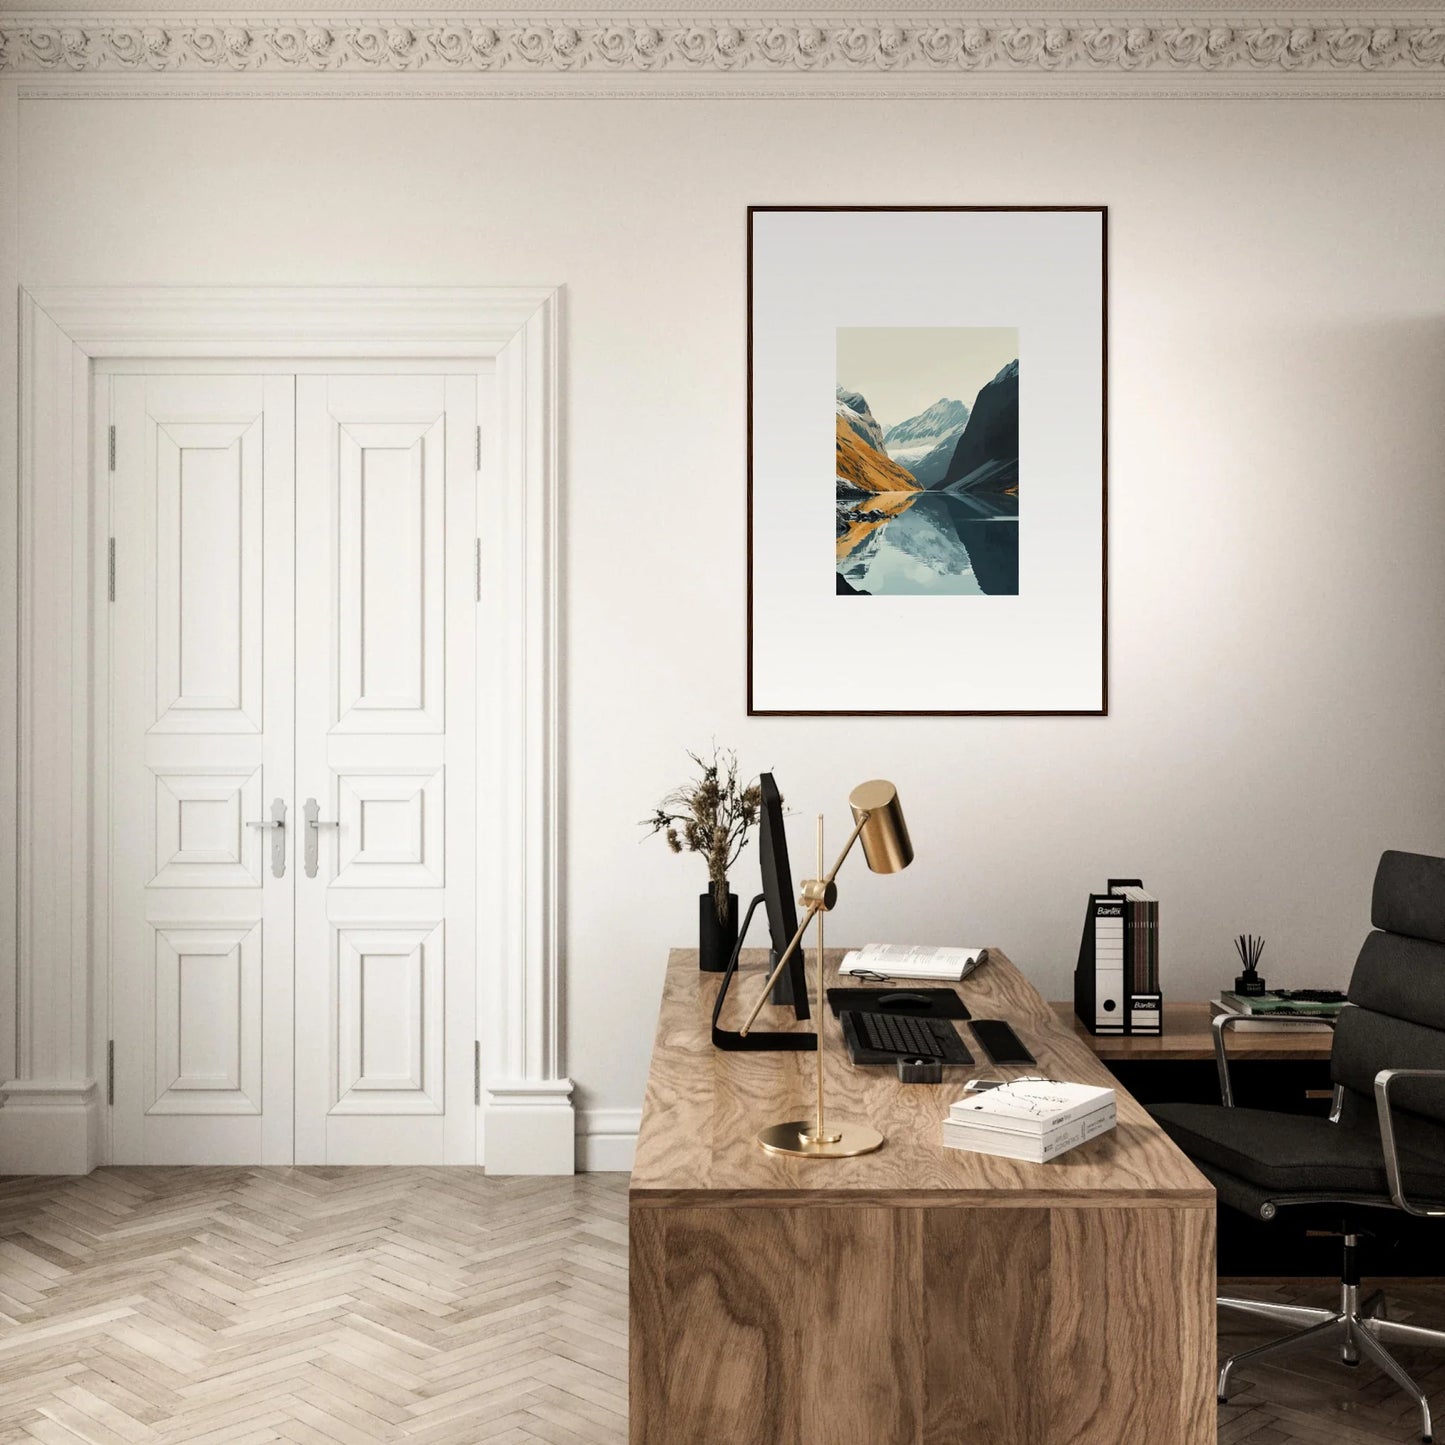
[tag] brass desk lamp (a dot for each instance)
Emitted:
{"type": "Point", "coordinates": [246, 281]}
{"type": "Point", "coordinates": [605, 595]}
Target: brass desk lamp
{"type": "Point", "coordinates": [878, 823]}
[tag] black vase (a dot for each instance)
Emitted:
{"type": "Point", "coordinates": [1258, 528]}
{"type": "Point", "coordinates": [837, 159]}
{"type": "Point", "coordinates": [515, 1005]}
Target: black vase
{"type": "Point", "coordinates": [716, 938]}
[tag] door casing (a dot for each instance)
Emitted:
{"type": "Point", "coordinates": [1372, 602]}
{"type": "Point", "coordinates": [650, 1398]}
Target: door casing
{"type": "Point", "coordinates": [54, 1119]}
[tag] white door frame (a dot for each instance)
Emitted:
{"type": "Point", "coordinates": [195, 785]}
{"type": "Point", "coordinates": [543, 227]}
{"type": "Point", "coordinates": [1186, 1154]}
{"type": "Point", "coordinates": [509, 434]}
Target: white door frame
{"type": "Point", "coordinates": [52, 1114]}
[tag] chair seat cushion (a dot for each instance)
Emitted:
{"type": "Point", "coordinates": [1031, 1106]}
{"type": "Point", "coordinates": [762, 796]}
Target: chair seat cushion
{"type": "Point", "coordinates": [1292, 1153]}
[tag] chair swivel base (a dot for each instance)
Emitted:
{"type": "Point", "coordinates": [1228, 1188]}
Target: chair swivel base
{"type": "Point", "coordinates": [1359, 1327]}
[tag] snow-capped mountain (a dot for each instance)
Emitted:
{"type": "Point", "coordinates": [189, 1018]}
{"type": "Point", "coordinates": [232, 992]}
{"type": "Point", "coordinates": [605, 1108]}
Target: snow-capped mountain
{"type": "Point", "coordinates": [913, 439]}
{"type": "Point", "coordinates": [853, 409]}
{"type": "Point", "coordinates": [924, 443]}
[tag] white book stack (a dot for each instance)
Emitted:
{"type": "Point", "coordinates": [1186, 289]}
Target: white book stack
{"type": "Point", "coordinates": [1033, 1119]}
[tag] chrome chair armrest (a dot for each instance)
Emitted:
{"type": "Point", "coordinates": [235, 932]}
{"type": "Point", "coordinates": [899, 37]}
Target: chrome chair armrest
{"type": "Point", "coordinates": [1383, 1080]}
{"type": "Point", "coordinates": [1221, 1025]}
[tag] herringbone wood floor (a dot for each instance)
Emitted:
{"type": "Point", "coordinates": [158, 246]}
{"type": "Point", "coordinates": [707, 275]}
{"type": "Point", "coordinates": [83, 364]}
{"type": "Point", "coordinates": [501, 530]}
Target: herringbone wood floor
{"type": "Point", "coordinates": [320, 1306]}
{"type": "Point", "coordinates": [1312, 1398]}
{"type": "Point", "coordinates": [347, 1306]}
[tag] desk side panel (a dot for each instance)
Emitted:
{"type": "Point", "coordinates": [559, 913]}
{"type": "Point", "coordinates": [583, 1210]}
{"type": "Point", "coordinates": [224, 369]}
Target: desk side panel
{"type": "Point", "coordinates": [1132, 1327]}
{"type": "Point", "coordinates": [869, 1326]}
{"type": "Point", "coordinates": [986, 1288]}
{"type": "Point", "coordinates": [646, 1318]}
{"type": "Point", "coordinates": [777, 1326]}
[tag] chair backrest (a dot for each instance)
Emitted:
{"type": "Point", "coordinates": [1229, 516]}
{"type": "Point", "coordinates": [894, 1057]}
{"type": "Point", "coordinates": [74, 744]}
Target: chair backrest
{"type": "Point", "coordinates": [1398, 993]}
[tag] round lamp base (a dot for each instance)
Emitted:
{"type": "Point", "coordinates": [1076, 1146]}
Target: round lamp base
{"type": "Point", "coordinates": [794, 1137]}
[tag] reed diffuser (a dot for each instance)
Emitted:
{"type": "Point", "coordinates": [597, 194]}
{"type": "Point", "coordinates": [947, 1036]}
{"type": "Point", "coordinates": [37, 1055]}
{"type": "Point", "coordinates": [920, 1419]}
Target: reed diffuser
{"type": "Point", "coordinates": [1249, 948]}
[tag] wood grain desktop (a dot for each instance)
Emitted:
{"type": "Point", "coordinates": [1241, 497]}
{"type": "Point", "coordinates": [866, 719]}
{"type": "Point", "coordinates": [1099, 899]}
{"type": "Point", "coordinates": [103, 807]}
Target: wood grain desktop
{"type": "Point", "coordinates": [918, 1294]}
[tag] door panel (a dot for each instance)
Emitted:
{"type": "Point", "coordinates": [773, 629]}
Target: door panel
{"type": "Point", "coordinates": [385, 732]}
{"type": "Point", "coordinates": [293, 635]}
{"type": "Point", "coordinates": [201, 743]}
{"type": "Point", "coordinates": [389, 620]}
{"type": "Point", "coordinates": [208, 496]}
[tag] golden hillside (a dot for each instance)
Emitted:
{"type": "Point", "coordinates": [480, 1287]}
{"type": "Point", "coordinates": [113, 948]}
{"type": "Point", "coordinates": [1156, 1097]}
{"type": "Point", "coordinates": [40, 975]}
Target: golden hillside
{"type": "Point", "coordinates": [866, 469]}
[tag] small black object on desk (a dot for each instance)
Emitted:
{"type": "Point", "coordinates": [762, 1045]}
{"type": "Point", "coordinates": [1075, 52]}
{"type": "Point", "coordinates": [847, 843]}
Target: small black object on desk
{"type": "Point", "coordinates": [1000, 1042]}
{"type": "Point", "coordinates": [923, 1003]}
{"type": "Point", "coordinates": [920, 1071]}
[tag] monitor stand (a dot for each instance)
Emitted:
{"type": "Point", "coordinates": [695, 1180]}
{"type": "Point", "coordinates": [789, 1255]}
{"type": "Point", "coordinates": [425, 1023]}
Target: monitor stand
{"type": "Point", "coordinates": [756, 1040]}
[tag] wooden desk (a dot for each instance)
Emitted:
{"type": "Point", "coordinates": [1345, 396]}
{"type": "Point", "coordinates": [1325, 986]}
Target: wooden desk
{"type": "Point", "coordinates": [1188, 1037]}
{"type": "Point", "coordinates": [918, 1294]}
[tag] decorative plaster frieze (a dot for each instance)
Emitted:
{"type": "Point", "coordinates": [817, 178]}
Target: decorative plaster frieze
{"type": "Point", "coordinates": [770, 45]}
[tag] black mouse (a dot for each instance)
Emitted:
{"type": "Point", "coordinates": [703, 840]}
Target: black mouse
{"type": "Point", "coordinates": [904, 1000]}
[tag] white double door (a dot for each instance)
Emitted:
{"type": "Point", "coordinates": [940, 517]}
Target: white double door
{"type": "Point", "coordinates": [292, 643]}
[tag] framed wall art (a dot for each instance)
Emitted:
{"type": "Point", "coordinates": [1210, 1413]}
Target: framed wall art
{"type": "Point", "coordinates": [933, 380]}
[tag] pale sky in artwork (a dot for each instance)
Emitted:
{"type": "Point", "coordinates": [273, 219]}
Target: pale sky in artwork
{"type": "Point", "coordinates": [903, 370]}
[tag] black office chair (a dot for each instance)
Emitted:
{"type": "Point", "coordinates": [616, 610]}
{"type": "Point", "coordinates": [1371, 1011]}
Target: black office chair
{"type": "Point", "coordinates": [1381, 1151]}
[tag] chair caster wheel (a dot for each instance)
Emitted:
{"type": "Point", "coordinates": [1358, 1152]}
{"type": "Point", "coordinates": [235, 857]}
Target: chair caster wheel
{"type": "Point", "coordinates": [1353, 1364]}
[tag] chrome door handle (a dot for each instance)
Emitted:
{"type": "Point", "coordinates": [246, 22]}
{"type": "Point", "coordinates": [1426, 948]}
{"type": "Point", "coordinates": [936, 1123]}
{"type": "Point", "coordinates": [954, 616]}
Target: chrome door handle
{"type": "Point", "coordinates": [277, 823]}
{"type": "Point", "coordinates": [314, 825]}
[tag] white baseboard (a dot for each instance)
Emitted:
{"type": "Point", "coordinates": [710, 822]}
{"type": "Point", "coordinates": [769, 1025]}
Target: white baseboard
{"type": "Point", "coordinates": [607, 1140]}
{"type": "Point", "coordinates": [531, 1128]}
{"type": "Point", "coordinates": [49, 1128]}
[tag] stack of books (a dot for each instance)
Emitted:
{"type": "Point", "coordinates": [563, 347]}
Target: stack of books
{"type": "Point", "coordinates": [1259, 1011]}
{"type": "Point", "coordinates": [1141, 939]}
{"type": "Point", "coordinates": [1033, 1119]}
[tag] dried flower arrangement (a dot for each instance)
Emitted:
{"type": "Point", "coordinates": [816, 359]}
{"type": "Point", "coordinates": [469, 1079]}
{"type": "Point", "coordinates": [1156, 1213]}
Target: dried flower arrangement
{"type": "Point", "coordinates": [711, 815]}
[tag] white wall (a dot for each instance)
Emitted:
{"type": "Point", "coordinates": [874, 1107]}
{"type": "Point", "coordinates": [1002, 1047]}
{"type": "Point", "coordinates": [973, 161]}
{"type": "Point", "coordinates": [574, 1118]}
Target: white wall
{"type": "Point", "coordinates": [1277, 490]}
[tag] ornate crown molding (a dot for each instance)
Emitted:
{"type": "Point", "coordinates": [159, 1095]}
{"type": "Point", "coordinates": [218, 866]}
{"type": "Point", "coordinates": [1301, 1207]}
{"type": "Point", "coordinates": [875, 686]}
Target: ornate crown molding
{"type": "Point", "coordinates": [460, 45]}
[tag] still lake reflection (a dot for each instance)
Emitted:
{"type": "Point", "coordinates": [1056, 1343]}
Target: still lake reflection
{"type": "Point", "coordinates": [927, 543]}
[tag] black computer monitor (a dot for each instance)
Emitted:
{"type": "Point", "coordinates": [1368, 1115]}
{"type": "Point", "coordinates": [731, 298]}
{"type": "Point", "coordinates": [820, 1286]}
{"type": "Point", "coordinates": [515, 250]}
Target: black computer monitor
{"type": "Point", "coordinates": [791, 987]}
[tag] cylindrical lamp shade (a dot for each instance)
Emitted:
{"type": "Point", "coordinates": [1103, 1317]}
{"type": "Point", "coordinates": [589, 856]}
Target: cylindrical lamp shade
{"type": "Point", "coordinates": [885, 840]}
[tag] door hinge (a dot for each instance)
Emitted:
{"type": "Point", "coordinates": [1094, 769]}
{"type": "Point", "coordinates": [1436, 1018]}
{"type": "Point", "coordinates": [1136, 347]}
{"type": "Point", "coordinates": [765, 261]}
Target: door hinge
{"type": "Point", "coordinates": [478, 569]}
{"type": "Point", "coordinates": [110, 569]}
{"type": "Point", "coordinates": [111, 446]}
{"type": "Point", "coordinates": [479, 449]}
{"type": "Point", "coordinates": [477, 1071]}
{"type": "Point", "coordinates": [110, 1072]}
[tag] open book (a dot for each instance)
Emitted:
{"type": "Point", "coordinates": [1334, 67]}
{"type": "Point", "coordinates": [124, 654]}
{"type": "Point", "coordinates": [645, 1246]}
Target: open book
{"type": "Point", "coordinates": [904, 960]}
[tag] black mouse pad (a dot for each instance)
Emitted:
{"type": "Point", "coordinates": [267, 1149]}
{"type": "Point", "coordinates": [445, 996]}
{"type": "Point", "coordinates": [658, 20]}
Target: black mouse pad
{"type": "Point", "coordinates": [924, 1003]}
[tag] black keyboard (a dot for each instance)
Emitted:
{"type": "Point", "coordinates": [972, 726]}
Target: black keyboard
{"type": "Point", "coordinates": [902, 1037]}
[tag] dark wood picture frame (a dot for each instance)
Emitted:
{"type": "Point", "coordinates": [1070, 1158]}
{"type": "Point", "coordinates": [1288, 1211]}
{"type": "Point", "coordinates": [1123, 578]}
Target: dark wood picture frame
{"type": "Point", "coordinates": [1103, 709]}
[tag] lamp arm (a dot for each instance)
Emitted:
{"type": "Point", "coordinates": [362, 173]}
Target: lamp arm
{"type": "Point", "coordinates": [853, 837]}
{"type": "Point", "coordinates": [814, 909]}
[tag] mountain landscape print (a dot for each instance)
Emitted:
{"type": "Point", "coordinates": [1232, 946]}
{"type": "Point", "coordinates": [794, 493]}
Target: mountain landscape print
{"type": "Point", "coordinates": [927, 446]}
